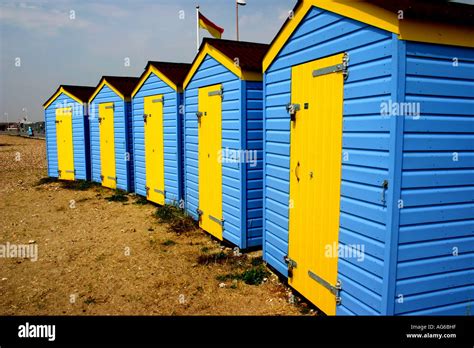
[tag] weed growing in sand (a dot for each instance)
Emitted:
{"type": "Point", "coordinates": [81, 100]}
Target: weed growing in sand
{"type": "Point", "coordinates": [140, 200]}
{"type": "Point", "coordinates": [168, 242]}
{"type": "Point", "coordinates": [178, 221]}
{"type": "Point", "coordinates": [252, 272]}
{"type": "Point", "coordinates": [251, 276]}
{"type": "Point", "coordinates": [206, 259]}
{"type": "Point", "coordinates": [118, 196]}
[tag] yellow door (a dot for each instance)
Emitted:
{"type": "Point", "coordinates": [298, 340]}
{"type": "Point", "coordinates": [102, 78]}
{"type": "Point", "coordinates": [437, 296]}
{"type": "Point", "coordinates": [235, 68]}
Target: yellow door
{"type": "Point", "coordinates": [154, 149]}
{"type": "Point", "coordinates": [64, 143]}
{"type": "Point", "coordinates": [315, 179]}
{"type": "Point", "coordinates": [107, 145]}
{"type": "Point", "coordinates": [210, 166]}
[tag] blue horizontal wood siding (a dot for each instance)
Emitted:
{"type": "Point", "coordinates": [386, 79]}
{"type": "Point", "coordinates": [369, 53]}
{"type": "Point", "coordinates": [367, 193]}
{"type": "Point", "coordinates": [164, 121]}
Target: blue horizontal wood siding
{"type": "Point", "coordinates": [211, 72]}
{"type": "Point", "coordinates": [172, 138]}
{"type": "Point", "coordinates": [366, 148]}
{"type": "Point", "coordinates": [122, 134]}
{"type": "Point", "coordinates": [254, 168]}
{"type": "Point", "coordinates": [435, 273]}
{"type": "Point", "coordinates": [80, 137]}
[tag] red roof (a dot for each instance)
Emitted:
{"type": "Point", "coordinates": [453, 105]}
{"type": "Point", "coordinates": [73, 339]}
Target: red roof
{"type": "Point", "coordinates": [439, 11]}
{"type": "Point", "coordinates": [176, 72]}
{"type": "Point", "coordinates": [250, 54]}
{"type": "Point", "coordinates": [83, 93]}
{"type": "Point", "coordinates": [125, 85]}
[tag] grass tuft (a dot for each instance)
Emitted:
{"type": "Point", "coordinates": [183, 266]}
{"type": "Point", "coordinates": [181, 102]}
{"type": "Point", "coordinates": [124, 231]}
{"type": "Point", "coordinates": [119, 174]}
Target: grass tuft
{"type": "Point", "coordinates": [178, 221]}
{"type": "Point", "coordinates": [254, 275]}
{"type": "Point", "coordinates": [90, 300]}
{"type": "Point", "coordinates": [251, 273]}
{"type": "Point", "coordinates": [168, 242]}
{"type": "Point", "coordinates": [140, 200]}
{"type": "Point", "coordinates": [118, 196]}
{"type": "Point", "coordinates": [206, 259]}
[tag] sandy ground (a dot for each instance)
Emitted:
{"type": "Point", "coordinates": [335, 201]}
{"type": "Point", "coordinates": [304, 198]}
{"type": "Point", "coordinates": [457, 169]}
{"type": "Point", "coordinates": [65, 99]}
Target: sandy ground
{"type": "Point", "coordinates": [97, 257]}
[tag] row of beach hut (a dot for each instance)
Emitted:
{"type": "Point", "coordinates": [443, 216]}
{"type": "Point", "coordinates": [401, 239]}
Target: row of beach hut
{"type": "Point", "coordinates": [345, 149]}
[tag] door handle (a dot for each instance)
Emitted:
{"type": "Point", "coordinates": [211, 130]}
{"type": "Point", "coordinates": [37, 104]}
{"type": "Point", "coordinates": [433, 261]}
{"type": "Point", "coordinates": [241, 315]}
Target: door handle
{"type": "Point", "coordinates": [297, 171]}
{"type": "Point", "coordinates": [384, 189]}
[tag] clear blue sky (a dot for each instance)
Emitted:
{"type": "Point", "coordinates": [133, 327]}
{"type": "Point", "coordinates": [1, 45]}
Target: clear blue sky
{"type": "Point", "coordinates": [55, 48]}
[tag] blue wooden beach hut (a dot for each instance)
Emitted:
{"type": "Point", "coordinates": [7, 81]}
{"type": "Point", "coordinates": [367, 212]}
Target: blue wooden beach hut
{"type": "Point", "coordinates": [158, 114]}
{"type": "Point", "coordinates": [66, 115]}
{"type": "Point", "coordinates": [111, 132]}
{"type": "Point", "coordinates": [223, 140]}
{"type": "Point", "coordinates": [369, 156]}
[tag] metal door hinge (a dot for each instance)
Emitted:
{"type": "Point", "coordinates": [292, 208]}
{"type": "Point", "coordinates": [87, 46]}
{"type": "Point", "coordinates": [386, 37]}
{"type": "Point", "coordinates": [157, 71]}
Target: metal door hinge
{"type": "Point", "coordinates": [110, 107]}
{"type": "Point", "coordinates": [158, 100]}
{"type": "Point", "coordinates": [219, 221]}
{"type": "Point", "coordinates": [160, 192]}
{"type": "Point", "coordinates": [71, 171]}
{"type": "Point", "coordinates": [199, 114]}
{"type": "Point", "coordinates": [101, 178]}
{"type": "Point", "coordinates": [328, 70]}
{"type": "Point", "coordinates": [100, 119]}
{"type": "Point", "coordinates": [147, 189]}
{"type": "Point", "coordinates": [145, 117]}
{"type": "Point", "coordinates": [333, 289]}
{"type": "Point", "coordinates": [114, 178]}
{"type": "Point", "coordinates": [199, 212]}
{"type": "Point", "coordinates": [218, 92]}
{"type": "Point", "coordinates": [342, 67]}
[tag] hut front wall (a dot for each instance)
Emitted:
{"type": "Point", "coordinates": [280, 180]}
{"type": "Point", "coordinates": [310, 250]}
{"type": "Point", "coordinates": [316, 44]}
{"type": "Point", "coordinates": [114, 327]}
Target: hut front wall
{"type": "Point", "coordinates": [172, 138]}
{"type": "Point", "coordinates": [366, 149]}
{"type": "Point", "coordinates": [122, 134]}
{"type": "Point", "coordinates": [80, 137]}
{"type": "Point", "coordinates": [212, 72]}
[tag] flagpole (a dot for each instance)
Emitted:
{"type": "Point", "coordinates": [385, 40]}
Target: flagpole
{"type": "Point", "coordinates": [197, 28]}
{"type": "Point", "coordinates": [237, 18]}
{"type": "Point", "coordinates": [237, 4]}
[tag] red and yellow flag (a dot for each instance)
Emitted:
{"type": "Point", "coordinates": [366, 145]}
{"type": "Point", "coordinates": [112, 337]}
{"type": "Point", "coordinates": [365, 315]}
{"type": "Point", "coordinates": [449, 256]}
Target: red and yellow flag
{"type": "Point", "coordinates": [211, 27]}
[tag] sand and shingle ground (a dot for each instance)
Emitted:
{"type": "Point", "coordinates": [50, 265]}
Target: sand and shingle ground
{"type": "Point", "coordinates": [100, 257]}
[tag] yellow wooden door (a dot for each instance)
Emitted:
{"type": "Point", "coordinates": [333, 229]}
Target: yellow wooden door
{"type": "Point", "coordinates": [64, 143]}
{"type": "Point", "coordinates": [210, 166]}
{"type": "Point", "coordinates": [154, 148]}
{"type": "Point", "coordinates": [315, 179]}
{"type": "Point", "coordinates": [107, 145]}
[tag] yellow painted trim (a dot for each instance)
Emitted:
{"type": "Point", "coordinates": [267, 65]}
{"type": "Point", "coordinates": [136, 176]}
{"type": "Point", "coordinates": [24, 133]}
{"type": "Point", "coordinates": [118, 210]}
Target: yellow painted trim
{"type": "Point", "coordinates": [224, 60]}
{"type": "Point", "coordinates": [152, 70]}
{"type": "Point", "coordinates": [101, 85]}
{"type": "Point", "coordinates": [378, 17]}
{"type": "Point", "coordinates": [61, 90]}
